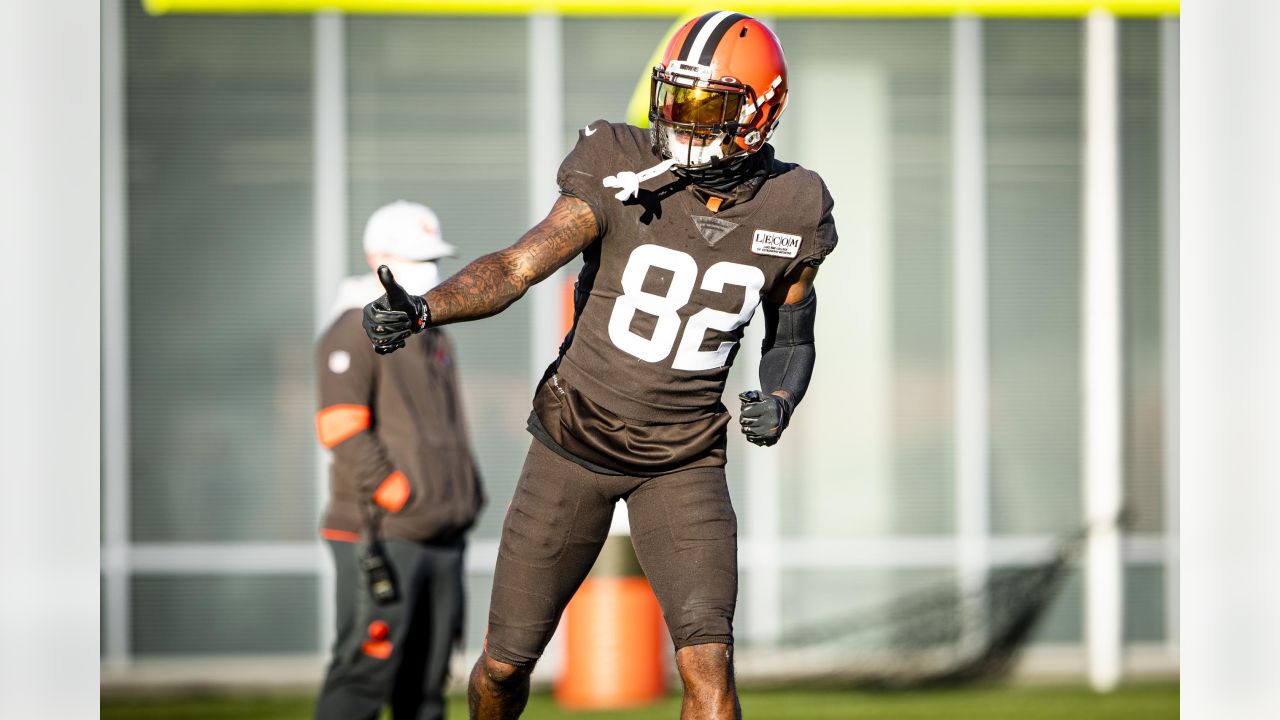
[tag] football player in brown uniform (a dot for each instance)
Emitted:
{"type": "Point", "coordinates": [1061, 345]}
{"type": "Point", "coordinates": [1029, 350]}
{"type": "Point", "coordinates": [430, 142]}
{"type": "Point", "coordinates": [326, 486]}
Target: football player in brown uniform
{"type": "Point", "coordinates": [686, 229]}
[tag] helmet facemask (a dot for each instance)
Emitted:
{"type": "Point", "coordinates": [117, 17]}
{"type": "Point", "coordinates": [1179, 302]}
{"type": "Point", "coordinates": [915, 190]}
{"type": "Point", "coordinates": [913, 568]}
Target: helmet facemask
{"type": "Point", "coordinates": [697, 122]}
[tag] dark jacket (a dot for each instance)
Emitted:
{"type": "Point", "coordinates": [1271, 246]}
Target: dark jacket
{"type": "Point", "coordinates": [396, 429]}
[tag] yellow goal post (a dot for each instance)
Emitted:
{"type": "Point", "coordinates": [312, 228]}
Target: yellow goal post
{"type": "Point", "coordinates": [670, 8]}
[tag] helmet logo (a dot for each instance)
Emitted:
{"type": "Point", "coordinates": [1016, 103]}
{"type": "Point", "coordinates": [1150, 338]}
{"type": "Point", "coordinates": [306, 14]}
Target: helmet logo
{"type": "Point", "coordinates": [752, 137]}
{"type": "Point", "coordinates": [694, 70]}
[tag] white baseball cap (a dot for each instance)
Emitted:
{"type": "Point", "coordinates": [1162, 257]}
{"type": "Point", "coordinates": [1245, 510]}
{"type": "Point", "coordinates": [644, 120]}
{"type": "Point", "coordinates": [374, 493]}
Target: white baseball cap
{"type": "Point", "coordinates": [406, 230]}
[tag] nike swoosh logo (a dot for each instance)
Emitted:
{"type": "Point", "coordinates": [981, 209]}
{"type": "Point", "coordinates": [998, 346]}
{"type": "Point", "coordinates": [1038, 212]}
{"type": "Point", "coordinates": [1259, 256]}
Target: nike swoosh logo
{"type": "Point", "coordinates": [588, 130]}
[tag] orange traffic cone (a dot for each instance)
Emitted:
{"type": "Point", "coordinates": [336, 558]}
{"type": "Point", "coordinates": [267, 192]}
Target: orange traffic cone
{"type": "Point", "coordinates": [614, 636]}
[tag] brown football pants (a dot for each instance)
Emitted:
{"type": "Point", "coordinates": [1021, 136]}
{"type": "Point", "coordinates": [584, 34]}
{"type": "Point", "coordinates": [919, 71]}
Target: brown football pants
{"type": "Point", "coordinates": [683, 529]}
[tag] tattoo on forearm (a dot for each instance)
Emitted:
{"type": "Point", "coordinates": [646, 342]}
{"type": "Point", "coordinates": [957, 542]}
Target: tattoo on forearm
{"type": "Point", "coordinates": [485, 287]}
{"type": "Point", "coordinates": [491, 283]}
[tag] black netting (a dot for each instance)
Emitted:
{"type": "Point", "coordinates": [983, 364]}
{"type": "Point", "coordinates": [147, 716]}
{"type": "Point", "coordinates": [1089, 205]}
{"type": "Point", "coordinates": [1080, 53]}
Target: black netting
{"type": "Point", "coordinates": [932, 637]}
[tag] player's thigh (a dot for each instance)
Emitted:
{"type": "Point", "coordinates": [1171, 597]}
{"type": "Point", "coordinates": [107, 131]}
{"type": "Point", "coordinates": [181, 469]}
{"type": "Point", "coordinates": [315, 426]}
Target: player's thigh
{"type": "Point", "coordinates": [555, 525]}
{"type": "Point", "coordinates": [685, 534]}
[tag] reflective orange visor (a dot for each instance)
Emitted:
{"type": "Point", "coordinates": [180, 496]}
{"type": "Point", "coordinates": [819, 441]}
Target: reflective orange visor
{"type": "Point", "coordinates": [694, 106]}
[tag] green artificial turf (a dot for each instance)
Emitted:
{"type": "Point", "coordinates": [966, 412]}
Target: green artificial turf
{"type": "Point", "coordinates": [1138, 702]}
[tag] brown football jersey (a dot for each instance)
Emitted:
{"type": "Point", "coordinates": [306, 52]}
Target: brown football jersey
{"type": "Point", "coordinates": [665, 293]}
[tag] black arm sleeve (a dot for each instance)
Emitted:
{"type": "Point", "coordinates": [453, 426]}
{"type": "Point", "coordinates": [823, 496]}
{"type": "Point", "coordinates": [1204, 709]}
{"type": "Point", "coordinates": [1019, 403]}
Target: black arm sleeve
{"type": "Point", "coordinates": [787, 354]}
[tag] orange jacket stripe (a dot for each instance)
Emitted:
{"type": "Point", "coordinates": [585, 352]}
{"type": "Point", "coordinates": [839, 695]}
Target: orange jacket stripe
{"type": "Point", "coordinates": [380, 649]}
{"type": "Point", "coordinates": [393, 493]}
{"type": "Point", "coordinates": [339, 422]}
{"type": "Point", "coordinates": [339, 535]}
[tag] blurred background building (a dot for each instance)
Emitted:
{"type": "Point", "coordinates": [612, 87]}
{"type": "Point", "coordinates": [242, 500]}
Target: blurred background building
{"type": "Point", "coordinates": [243, 152]}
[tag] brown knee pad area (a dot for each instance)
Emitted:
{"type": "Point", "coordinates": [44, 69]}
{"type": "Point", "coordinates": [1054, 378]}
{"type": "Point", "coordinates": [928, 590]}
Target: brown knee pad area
{"type": "Point", "coordinates": [553, 531]}
{"type": "Point", "coordinates": [686, 537]}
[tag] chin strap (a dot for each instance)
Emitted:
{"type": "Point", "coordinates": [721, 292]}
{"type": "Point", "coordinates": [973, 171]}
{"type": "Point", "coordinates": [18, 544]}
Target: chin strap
{"type": "Point", "coordinates": [630, 181]}
{"type": "Point", "coordinates": [722, 175]}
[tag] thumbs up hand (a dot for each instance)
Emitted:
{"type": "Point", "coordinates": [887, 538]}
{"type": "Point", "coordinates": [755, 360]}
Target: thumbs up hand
{"type": "Point", "coordinates": [394, 317]}
{"type": "Point", "coordinates": [397, 298]}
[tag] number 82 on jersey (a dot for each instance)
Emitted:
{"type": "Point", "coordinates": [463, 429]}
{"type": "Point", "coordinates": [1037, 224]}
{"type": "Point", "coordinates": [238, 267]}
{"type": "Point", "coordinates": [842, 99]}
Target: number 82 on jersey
{"type": "Point", "coordinates": [666, 308]}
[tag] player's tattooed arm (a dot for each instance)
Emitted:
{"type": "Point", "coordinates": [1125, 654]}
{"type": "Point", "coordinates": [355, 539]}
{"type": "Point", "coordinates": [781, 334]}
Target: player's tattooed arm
{"type": "Point", "coordinates": [491, 283]}
{"type": "Point", "coordinates": [485, 287]}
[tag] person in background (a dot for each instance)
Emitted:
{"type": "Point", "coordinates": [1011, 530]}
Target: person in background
{"type": "Point", "coordinates": [404, 490]}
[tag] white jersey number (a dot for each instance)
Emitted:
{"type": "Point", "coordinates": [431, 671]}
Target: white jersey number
{"type": "Point", "coordinates": [684, 271]}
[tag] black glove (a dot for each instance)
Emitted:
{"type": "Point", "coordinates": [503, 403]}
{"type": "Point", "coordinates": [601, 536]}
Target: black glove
{"type": "Point", "coordinates": [763, 417]}
{"type": "Point", "coordinates": [392, 318]}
